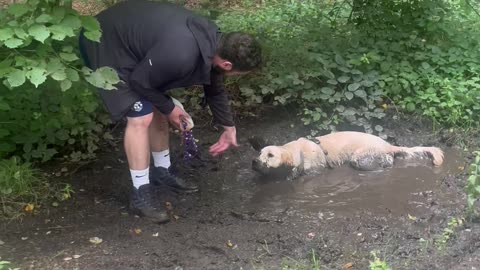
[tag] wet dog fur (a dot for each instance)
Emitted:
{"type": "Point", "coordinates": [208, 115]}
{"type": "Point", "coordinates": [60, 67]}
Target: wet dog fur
{"type": "Point", "coordinates": [360, 150]}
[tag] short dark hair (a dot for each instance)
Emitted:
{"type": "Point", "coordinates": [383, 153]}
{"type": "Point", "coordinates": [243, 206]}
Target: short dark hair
{"type": "Point", "coordinates": [241, 49]}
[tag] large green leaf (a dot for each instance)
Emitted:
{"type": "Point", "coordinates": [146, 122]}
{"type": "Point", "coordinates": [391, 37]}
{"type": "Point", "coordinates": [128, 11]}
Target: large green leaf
{"type": "Point", "coordinates": [20, 33]}
{"type": "Point", "coordinates": [60, 32]}
{"type": "Point", "coordinates": [411, 107]}
{"type": "Point", "coordinates": [54, 65]}
{"type": "Point", "coordinates": [18, 10]}
{"type": "Point", "coordinates": [354, 86]}
{"type": "Point", "coordinates": [37, 76]}
{"type": "Point", "coordinates": [93, 35]}
{"type": "Point", "coordinates": [13, 43]}
{"type": "Point", "coordinates": [6, 33]}
{"type": "Point", "coordinates": [90, 23]}
{"type": "Point", "coordinates": [69, 57]}
{"type": "Point", "coordinates": [343, 79]}
{"type": "Point", "coordinates": [16, 78]}
{"type": "Point", "coordinates": [59, 75]}
{"type": "Point", "coordinates": [44, 18]}
{"type": "Point", "coordinates": [349, 95]}
{"type": "Point", "coordinates": [72, 74]}
{"type": "Point", "coordinates": [104, 78]}
{"type": "Point", "coordinates": [72, 22]}
{"type": "Point", "coordinates": [39, 32]}
{"type": "Point", "coordinates": [65, 85]}
{"type": "Point", "coordinates": [360, 93]}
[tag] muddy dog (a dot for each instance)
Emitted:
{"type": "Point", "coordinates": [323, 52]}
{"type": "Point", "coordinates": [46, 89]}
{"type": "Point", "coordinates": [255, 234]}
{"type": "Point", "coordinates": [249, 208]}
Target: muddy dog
{"type": "Point", "coordinates": [362, 151]}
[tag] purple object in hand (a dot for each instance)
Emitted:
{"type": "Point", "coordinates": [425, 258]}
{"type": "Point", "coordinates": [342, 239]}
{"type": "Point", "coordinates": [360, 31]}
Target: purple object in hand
{"type": "Point", "coordinates": [190, 149]}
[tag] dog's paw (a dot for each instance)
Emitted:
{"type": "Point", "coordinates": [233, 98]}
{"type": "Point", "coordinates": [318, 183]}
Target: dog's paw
{"type": "Point", "coordinates": [293, 174]}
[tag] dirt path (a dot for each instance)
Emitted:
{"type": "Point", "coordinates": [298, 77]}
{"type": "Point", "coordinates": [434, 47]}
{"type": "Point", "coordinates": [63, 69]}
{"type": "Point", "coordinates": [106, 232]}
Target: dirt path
{"type": "Point", "coordinates": [237, 222]}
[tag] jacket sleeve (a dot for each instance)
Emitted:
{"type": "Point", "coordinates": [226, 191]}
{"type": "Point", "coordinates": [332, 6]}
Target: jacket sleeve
{"type": "Point", "coordinates": [161, 65]}
{"type": "Point", "coordinates": [217, 100]}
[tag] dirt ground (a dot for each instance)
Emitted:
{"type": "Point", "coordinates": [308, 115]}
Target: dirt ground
{"type": "Point", "coordinates": [239, 221]}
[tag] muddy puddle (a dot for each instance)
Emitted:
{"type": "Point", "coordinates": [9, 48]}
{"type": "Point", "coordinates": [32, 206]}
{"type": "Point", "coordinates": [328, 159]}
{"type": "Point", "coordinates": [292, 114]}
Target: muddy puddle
{"type": "Point", "coordinates": [401, 190]}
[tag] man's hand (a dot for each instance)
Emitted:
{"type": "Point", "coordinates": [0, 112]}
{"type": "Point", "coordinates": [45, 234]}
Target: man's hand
{"type": "Point", "coordinates": [177, 116]}
{"type": "Point", "coordinates": [227, 140]}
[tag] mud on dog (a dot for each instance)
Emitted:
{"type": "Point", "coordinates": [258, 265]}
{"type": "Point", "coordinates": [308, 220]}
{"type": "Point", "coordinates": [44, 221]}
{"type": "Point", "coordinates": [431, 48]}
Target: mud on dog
{"type": "Point", "coordinates": [362, 151]}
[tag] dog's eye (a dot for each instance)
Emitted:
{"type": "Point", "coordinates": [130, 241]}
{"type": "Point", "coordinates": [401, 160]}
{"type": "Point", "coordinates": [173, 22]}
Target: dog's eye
{"type": "Point", "coordinates": [270, 155]}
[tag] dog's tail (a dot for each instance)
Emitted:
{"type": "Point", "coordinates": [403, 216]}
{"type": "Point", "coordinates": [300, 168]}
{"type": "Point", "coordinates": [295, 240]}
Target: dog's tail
{"type": "Point", "coordinates": [434, 153]}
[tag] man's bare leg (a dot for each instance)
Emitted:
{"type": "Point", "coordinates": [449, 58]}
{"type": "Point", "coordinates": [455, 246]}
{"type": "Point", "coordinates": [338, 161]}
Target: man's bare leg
{"type": "Point", "coordinates": [137, 149]}
{"type": "Point", "coordinates": [136, 141]}
{"type": "Point", "coordinates": [159, 140]}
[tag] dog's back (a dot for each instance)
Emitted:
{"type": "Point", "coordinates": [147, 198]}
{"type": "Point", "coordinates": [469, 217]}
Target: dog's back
{"type": "Point", "coordinates": [312, 154]}
{"type": "Point", "coordinates": [340, 145]}
{"type": "Point", "coordinates": [350, 145]}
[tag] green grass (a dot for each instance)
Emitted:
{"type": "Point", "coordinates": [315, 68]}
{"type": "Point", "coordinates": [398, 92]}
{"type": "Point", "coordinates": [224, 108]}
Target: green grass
{"type": "Point", "coordinates": [378, 264]}
{"type": "Point", "coordinates": [23, 189]}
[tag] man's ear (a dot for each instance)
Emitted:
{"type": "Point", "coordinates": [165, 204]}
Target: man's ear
{"type": "Point", "coordinates": [226, 65]}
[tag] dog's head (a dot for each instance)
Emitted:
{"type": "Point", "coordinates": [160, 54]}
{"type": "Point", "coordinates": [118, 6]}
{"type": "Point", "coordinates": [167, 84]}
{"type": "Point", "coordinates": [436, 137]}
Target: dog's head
{"type": "Point", "coordinates": [272, 159]}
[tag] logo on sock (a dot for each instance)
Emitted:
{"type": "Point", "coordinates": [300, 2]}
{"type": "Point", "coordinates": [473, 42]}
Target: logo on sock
{"type": "Point", "coordinates": [140, 176]}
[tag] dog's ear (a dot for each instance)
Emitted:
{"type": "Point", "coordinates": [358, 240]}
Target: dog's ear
{"type": "Point", "coordinates": [287, 158]}
{"type": "Point", "coordinates": [257, 142]}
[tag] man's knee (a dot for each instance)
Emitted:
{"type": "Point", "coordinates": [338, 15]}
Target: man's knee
{"type": "Point", "coordinates": [140, 121]}
{"type": "Point", "coordinates": [140, 115]}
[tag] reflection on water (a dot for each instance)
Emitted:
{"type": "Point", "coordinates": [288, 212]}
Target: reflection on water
{"type": "Point", "coordinates": [345, 190]}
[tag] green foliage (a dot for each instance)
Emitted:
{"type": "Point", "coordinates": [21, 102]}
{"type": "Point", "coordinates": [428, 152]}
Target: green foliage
{"type": "Point", "coordinates": [348, 64]}
{"type": "Point", "coordinates": [20, 184]}
{"type": "Point", "coordinates": [5, 265]}
{"type": "Point", "coordinates": [23, 189]}
{"type": "Point", "coordinates": [41, 122]}
{"type": "Point", "coordinates": [377, 263]}
{"type": "Point", "coordinates": [46, 103]}
{"type": "Point", "coordinates": [473, 183]}
{"type": "Point", "coordinates": [442, 240]}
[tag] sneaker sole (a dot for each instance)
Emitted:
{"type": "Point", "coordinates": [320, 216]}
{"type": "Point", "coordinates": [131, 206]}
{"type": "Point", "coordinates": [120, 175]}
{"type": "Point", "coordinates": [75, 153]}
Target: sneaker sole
{"type": "Point", "coordinates": [140, 214]}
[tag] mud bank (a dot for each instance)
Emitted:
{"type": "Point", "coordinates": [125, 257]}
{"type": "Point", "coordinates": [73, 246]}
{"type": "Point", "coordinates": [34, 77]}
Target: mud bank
{"type": "Point", "coordinates": [238, 221]}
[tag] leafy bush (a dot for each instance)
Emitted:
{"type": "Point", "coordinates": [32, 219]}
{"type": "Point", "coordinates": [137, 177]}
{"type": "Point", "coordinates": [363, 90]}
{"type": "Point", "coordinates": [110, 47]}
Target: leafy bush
{"type": "Point", "coordinates": [46, 104]}
{"type": "Point", "coordinates": [42, 121]}
{"type": "Point", "coordinates": [343, 64]}
{"type": "Point", "coordinates": [473, 183]}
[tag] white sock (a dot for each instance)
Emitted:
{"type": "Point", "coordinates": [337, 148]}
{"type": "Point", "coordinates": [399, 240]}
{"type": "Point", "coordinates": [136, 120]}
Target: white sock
{"type": "Point", "coordinates": [161, 159]}
{"type": "Point", "coordinates": [140, 177]}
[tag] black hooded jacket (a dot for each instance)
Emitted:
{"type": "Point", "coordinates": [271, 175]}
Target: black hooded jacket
{"type": "Point", "coordinates": [156, 47]}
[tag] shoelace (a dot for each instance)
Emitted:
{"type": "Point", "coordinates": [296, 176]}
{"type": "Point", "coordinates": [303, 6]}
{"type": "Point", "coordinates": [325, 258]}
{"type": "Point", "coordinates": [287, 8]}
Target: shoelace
{"type": "Point", "coordinates": [190, 148]}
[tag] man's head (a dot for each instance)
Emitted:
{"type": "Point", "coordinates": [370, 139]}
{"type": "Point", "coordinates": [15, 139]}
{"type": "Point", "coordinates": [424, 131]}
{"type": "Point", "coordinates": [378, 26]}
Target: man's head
{"type": "Point", "coordinates": [237, 53]}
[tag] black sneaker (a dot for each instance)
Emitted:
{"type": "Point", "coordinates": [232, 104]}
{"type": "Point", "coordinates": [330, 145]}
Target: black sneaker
{"type": "Point", "coordinates": [144, 202]}
{"type": "Point", "coordinates": [162, 176]}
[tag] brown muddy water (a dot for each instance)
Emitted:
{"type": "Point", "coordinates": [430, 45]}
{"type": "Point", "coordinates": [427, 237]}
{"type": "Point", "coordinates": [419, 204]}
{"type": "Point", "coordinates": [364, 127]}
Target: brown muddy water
{"type": "Point", "coordinates": [342, 191]}
{"type": "Point", "coordinates": [238, 221]}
